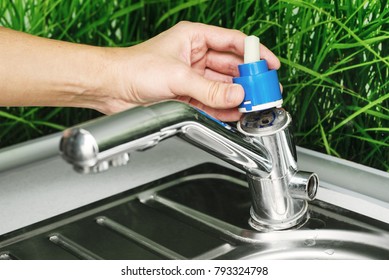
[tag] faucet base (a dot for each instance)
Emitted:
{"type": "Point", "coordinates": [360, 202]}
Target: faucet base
{"type": "Point", "coordinates": [294, 222]}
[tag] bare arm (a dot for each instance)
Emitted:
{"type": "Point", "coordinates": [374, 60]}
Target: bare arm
{"type": "Point", "coordinates": [36, 71]}
{"type": "Point", "coordinates": [191, 62]}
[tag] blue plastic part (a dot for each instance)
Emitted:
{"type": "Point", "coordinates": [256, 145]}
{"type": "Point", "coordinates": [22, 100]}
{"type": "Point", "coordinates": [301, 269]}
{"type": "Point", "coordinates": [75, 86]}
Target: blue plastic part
{"type": "Point", "coordinates": [260, 85]}
{"type": "Point", "coordinates": [215, 120]}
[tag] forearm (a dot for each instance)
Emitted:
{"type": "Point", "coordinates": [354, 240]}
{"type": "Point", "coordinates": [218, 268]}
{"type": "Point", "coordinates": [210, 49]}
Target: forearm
{"type": "Point", "coordinates": [36, 71]}
{"type": "Point", "coordinates": [190, 62]}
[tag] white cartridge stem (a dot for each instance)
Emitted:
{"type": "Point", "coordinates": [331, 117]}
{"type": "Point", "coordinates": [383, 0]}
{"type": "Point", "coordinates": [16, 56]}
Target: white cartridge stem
{"type": "Point", "coordinates": [251, 49]}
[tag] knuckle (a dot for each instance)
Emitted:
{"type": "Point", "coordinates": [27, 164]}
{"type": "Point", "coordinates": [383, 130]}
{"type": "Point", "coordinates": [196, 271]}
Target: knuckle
{"type": "Point", "coordinates": [184, 24]}
{"type": "Point", "coordinates": [214, 93]}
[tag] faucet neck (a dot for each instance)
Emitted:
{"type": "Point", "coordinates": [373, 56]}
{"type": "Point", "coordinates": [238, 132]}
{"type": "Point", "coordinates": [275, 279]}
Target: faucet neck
{"type": "Point", "coordinates": [261, 147]}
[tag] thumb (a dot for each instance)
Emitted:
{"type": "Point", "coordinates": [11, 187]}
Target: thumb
{"type": "Point", "coordinates": [211, 93]}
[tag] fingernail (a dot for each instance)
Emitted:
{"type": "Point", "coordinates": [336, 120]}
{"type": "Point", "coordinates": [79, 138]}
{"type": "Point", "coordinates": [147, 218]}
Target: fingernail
{"type": "Point", "coordinates": [235, 95]}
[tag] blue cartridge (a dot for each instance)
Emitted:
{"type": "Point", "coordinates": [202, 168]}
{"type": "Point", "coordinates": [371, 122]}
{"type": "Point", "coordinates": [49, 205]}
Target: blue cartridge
{"type": "Point", "coordinates": [261, 86]}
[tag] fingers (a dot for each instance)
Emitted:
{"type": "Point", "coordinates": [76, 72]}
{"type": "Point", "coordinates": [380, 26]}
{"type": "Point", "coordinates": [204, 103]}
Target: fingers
{"type": "Point", "coordinates": [272, 61]}
{"type": "Point", "coordinates": [218, 38]}
{"type": "Point", "coordinates": [216, 76]}
{"type": "Point", "coordinates": [227, 63]}
{"type": "Point", "coordinates": [222, 62]}
{"type": "Point", "coordinates": [202, 65]}
{"type": "Point", "coordinates": [227, 40]}
{"type": "Point", "coordinates": [211, 93]}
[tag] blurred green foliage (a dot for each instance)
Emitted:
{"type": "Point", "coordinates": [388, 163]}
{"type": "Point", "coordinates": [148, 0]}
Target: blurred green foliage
{"type": "Point", "coordinates": [334, 58]}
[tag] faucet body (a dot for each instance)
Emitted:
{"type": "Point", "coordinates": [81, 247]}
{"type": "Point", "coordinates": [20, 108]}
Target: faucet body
{"type": "Point", "coordinates": [279, 200]}
{"type": "Point", "coordinates": [261, 146]}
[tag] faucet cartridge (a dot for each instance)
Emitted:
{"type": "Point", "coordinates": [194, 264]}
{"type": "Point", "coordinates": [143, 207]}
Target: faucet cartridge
{"type": "Point", "coordinates": [261, 86]}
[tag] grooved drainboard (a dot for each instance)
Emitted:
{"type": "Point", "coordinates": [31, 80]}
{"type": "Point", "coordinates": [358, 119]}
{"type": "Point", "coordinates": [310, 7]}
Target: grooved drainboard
{"type": "Point", "coordinates": [200, 213]}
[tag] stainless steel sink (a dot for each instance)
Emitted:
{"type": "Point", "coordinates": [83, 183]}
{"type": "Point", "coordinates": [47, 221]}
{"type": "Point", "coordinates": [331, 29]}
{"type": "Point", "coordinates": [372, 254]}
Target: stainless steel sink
{"type": "Point", "coordinates": [198, 213]}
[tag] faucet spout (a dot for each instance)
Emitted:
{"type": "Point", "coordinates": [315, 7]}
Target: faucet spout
{"type": "Point", "coordinates": [99, 144]}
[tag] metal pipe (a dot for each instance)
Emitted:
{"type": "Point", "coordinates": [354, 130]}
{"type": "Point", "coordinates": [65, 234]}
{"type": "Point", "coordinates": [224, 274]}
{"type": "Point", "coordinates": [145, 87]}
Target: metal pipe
{"type": "Point", "coordinates": [96, 145]}
{"type": "Point", "coordinates": [262, 146]}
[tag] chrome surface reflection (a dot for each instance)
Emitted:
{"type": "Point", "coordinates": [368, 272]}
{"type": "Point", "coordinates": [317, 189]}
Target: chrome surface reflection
{"type": "Point", "coordinates": [262, 146]}
{"type": "Point", "coordinates": [200, 213]}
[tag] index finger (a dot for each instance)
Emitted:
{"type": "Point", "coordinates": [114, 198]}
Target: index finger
{"type": "Point", "coordinates": [230, 40]}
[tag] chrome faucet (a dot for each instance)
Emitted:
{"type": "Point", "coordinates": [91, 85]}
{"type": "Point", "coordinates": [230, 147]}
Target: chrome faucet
{"type": "Point", "coordinates": [261, 145]}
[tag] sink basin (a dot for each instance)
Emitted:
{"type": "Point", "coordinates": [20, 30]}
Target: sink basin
{"type": "Point", "coordinates": [199, 213]}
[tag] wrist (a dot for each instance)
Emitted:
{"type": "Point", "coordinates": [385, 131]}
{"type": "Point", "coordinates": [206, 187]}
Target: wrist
{"type": "Point", "coordinates": [111, 81]}
{"type": "Point", "coordinates": [96, 83]}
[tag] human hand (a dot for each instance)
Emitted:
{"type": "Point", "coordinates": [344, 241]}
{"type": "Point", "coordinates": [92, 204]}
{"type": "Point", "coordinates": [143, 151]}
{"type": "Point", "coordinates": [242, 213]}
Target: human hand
{"type": "Point", "coordinates": [191, 62]}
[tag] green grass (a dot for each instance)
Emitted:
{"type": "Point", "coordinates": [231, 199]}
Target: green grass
{"type": "Point", "coordinates": [334, 58]}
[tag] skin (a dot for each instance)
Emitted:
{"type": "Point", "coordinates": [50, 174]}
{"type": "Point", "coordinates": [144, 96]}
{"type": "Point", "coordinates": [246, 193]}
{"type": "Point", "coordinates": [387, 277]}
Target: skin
{"type": "Point", "coordinates": [190, 62]}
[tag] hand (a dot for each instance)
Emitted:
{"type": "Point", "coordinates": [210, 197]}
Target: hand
{"type": "Point", "coordinates": [191, 62]}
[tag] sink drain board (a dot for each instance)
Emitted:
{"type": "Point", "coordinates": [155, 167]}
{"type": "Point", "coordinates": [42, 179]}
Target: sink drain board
{"type": "Point", "coordinates": [200, 213]}
{"type": "Point", "coordinates": [125, 226]}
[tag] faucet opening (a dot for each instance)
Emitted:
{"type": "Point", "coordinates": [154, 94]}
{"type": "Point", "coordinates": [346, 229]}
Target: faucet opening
{"type": "Point", "coordinates": [304, 185]}
{"type": "Point", "coordinates": [312, 186]}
